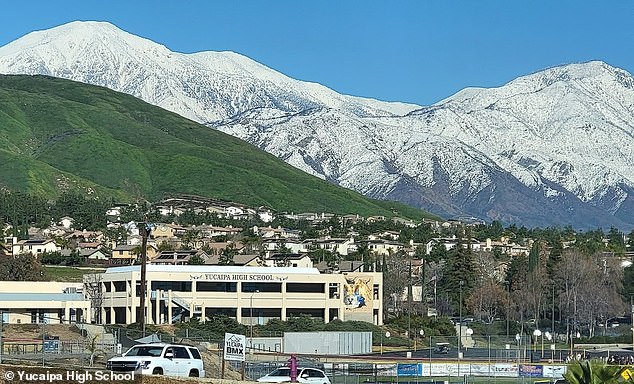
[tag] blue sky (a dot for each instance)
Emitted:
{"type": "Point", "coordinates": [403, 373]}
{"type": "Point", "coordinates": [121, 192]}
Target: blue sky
{"type": "Point", "coordinates": [412, 51]}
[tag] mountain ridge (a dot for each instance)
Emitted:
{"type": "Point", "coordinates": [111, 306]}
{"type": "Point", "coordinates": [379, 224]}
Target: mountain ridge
{"type": "Point", "coordinates": [549, 148]}
{"type": "Point", "coordinates": [61, 135]}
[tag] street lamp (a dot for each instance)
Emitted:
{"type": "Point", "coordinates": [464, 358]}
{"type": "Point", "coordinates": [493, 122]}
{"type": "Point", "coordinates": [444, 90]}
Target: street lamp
{"type": "Point", "coordinates": [251, 313]}
{"type": "Point", "coordinates": [387, 334]}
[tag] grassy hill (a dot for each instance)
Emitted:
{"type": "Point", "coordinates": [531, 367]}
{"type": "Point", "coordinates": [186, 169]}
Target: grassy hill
{"type": "Point", "coordinates": [57, 135]}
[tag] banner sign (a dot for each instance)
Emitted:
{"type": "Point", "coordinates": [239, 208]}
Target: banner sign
{"type": "Point", "coordinates": [555, 371]}
{"type": "Point", "coordinates": [531, 370]}
{"type": "Point", "coordinates": [478, 369]}
{"type": "Point", "coordinates": [235, 347]}
{"type": "Point", "coordinates": [408, 370]}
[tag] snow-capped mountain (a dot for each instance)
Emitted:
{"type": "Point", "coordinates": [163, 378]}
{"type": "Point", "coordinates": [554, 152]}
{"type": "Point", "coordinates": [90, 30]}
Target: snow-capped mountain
{"type": "Point", "coordinates": [552, 148]}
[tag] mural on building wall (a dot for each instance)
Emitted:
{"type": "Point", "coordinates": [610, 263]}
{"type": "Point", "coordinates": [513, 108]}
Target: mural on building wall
{"type": "Point", "coordinates": [358, 293]}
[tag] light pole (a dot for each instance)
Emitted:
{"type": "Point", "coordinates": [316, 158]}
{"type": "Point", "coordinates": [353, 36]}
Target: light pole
{"type": "Point", "coordinates": [421, 333]}
{"type": "Point", "coordinates": [518, 338]}
{"type": "Point", "coordinates": [251, 314]}
{"type": "Point", "coordinates": [632, 305]}
{"type": "Point", "coordinates": [549, 337]}
{"type": "Point", "coordinates": [537, 333]}
{"type": "Point", "coordinates": [460, 318]}
{"type": "Point", "coordinates": [508, 307]}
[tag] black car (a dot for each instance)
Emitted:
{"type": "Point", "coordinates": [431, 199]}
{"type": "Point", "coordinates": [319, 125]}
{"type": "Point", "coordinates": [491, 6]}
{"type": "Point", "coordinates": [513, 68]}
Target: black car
{"type": "Point", "coordinates": [442, 349]}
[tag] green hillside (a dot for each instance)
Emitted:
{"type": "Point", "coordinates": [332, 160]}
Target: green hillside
{"type": "Point", "coordinates": [57, 134]}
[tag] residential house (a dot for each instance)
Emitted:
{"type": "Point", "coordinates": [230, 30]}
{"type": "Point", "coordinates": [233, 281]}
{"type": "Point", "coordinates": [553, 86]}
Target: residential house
{"type": "Point", "coordinates": [452, 242]}
{"type": "Point", "coordinates": [238, 260]}
{"type": "Point", "coordinates": [113, 214]}
{"type": "Point", "coordinates": [384, 247]}
{"type": "Point", "coordinates": [85, 236]}
{"type": "Point", "coordinates": [289, 260]}
{"type": "Point", "coordinates": [216, 248]}
{"type": "Point", "coordinates": [342, 246]}
{"type": "Point", "coordinates": [211, 231]}
{"type": "Point", "coordinates": [505, 247]}
{"type": "Point", "coordinates": [266, 215]}
{"type": "Point", "coordinates": [405, 222]}
{"type": "Point", "coordinates": [180, 257]}
{"type": "Point", "coordinates": [161, 230]}
{"type": "Point", "coordinates": [89, 246]}
{"type": "Point", "coordinates": [66, 222]}
{"type": "Point", "coordinates": [276, 233]}
{"type": "Point", "coordinates": [87, 254]}
{"type": "Point", "coordinates": [235, 213]}
{"type": "Point", "coordinates": [34, 247]}
{"type": "Point", "coordinates": [124, 254]}
{"type": "Point", "coordinates": [352, 218]}
{"type": "Point", "coordinates": [272, 246]}
{"type": "Point", "coordinates": [342, 266]}
{"type": "Point", "coordinates": [389, 235]}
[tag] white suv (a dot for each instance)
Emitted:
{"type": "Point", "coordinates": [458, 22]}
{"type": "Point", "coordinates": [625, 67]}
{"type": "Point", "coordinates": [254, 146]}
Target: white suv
{"type": "Point", "coordinates": [160, 359]}
{"type": "Point", "coordinates": [304, 376]}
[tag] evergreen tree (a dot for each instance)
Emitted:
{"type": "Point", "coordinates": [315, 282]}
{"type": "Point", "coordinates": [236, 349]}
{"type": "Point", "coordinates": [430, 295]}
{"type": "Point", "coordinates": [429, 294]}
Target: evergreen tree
{"type": "Point", "coordinates": [616, 242]}
{"type": "Point", "coordinates": [533, 256]}
{"type": "Point", "coordinates": [24, 267]}
{"type": "Point", "coordinates": [227, 255]}
{"type": "Point", "coordinates": [459, 274]}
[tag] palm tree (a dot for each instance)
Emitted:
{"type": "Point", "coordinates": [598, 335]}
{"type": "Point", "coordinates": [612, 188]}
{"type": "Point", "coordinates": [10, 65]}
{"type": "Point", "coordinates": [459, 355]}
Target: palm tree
{"type": "Point", "coordinates": [592, 372]}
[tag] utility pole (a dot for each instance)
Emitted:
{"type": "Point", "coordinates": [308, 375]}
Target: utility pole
{"type": "Point", "coordinates": [1, 326]}
{"type": "Point", "coordinates": [144, 234]}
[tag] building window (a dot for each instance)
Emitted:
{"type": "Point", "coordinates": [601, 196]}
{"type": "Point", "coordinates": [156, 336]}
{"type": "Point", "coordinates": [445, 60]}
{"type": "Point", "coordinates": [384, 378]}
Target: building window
{"type": "Point", "coordinates": [177, 286]}
{"type": "Point", "coordinates": [333, 290]}
{"type": "Point", "coordinates": [317, 313]}
{"type": "Point", "coordinates": [305, 287]}
{"type": "Point", "coordinates": [119, 286]}
{"type": "Point", "coordinates": [333, 314]}
{"type": "Point", "coordinates": [214, 311]}
{"type": "Point", "coordinates": [203, 286]}
{"type": "Point", "coordinates": [262, 287]}
{"type": "Point", "coordinates": [262, 314]}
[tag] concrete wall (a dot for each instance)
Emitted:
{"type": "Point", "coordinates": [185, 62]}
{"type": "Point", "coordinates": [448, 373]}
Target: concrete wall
{"type": "Point", "coordinates": [328, 343]}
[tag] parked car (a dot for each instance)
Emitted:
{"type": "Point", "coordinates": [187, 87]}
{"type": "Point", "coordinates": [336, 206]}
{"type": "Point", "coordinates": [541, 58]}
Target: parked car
{"type": "Point", "coordinates": [442, 348]}
{"type": "Point", "coordinates": [160, 359]}
{"type": "Point", "coordinates": [304, 375]}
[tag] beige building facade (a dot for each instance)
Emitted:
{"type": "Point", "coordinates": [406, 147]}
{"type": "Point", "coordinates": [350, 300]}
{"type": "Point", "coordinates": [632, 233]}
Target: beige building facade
{"type": "Point", "coordinates": [43, 302]}
{"type": "Point", "coordinates": [251, 295]}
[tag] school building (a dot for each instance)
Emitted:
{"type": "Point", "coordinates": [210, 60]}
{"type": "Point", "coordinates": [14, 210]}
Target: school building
{"type": "Point", "coordinates": [251, 295]}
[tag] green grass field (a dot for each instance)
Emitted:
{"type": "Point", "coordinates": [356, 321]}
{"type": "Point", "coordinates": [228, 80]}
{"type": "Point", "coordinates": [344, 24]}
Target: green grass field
{"type": "Point", "coordinates": [69, 274]}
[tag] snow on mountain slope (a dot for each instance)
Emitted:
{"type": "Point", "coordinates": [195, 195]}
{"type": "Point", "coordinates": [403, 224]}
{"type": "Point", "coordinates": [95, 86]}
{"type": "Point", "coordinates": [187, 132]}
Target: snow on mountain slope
{"type": "Point", "coordinates": [552, 148]}
{"type": "Point", "coordinates": [205, 86]}
{"type": "Point", "coordinates": [564, 136]}
{"type": "Point", "coordinates": [571, 125]}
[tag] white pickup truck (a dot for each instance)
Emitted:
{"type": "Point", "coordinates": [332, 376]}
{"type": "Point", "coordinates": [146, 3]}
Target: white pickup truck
{"type": "Point", "coordinates": [160, 359]}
